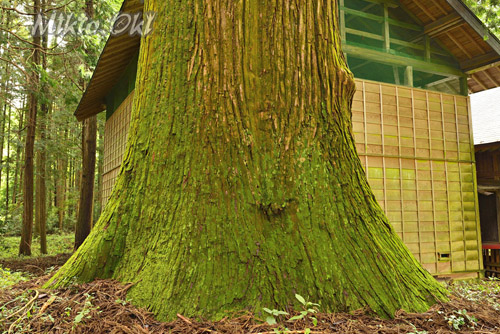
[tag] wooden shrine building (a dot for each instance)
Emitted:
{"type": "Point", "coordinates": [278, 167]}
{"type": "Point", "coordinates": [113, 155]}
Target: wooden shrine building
{"type": "Point", "coordinates": [486, 123]}
{"type": "Point", "coordinates": [415, 62]}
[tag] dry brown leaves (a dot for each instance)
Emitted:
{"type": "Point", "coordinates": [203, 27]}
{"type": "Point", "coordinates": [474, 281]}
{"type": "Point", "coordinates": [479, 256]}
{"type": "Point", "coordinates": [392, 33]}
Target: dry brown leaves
{"type": "Point", "coordinates": [100, 307]}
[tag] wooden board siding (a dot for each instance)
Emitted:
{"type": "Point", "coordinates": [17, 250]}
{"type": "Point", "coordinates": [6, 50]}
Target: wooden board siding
{"type": "Point", "coordinates": [115, 140]}
{"type": "Point", "coordinates": [488, 166]}
{"type": "Point", "coordinates": [416, 147]}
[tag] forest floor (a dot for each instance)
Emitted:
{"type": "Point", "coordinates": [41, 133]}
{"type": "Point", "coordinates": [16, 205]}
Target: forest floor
{"type": "Point", "coordinates": [101, 307]}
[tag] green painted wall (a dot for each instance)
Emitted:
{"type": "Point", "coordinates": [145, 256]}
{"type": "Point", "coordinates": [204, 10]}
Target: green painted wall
{"type": "Point", "coordinates": [123, 88]}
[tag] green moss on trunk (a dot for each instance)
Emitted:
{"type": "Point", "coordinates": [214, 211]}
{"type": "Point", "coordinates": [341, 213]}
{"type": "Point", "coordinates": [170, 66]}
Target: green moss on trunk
{"type": "Point", "coordinates": [241, 184]}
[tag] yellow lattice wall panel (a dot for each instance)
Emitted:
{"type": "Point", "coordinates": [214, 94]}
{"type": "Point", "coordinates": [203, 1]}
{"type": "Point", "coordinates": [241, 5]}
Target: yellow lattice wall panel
{"type": "Point", "coordinates": [416, 148]}
{"type": "Point", "coordinates": [115, 140]}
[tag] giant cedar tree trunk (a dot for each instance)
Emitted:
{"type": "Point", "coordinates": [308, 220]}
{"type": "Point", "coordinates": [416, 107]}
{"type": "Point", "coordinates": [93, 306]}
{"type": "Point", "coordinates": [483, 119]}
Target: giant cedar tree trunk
{"type": "Point", "coordinates": [241, 184]}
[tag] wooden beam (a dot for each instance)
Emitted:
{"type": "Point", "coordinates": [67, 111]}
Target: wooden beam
{"type": "Point", "coordinates": [481, 62]}
{"type": "Point", "coordinates": [479, 82]}
{"type": "Point", "coordinates": [491, 78]}
{"type": "Point", "coordinates": [452, 89]}
{"type": "Point", "coordinates": [380, 19]}
{"type": "Point", "coordinates": [424, 9]}
{"type": "Point", "coordinates": [364, 34]}
{"type": "Point", "coordinates": [382, 38]}
{"type": "Point", "coordinates": [475, 23]}
{"type": "Point", "coordinates": [470, 38]}
{"type": "Point", "coordinates": [441, 25]}
{"type": "Point", "coordinates": [388, 3]}
{"type": "Point", "coordinates": [359, 13]}
{"type": "Point", "coordinates": [444, 11]}
{"type": "Point", "coordinates": [458, 44]}
{"type": "Point", "coordinates": [439, 82]}
{"type": "Point", "coordinates": [390, 59]}
{"type": "Point", "coordinates": [342, 3]}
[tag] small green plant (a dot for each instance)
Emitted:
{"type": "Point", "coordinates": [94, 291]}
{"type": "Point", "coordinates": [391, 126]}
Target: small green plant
{"type": "Point", "coordinates": [84, 313]}
{"type": "Point", "coordinates": [273, 314]}
{"type": "Point", "coordinates": [416, 331]}
{"type": "Point", "coordinates": [309, 309]}
{"type": "Point", "coordinates": [67, 311]}
{"type": "Point", "coordinates": [461, 318]}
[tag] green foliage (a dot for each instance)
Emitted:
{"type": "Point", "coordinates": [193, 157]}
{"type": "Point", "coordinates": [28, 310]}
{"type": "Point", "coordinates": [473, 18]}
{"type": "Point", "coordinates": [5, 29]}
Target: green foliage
{"type": "Point", "coordinates": [68, 65]}
{"type": "Point", "coordinates": [488, 11]}
{"type": "Point", "coordinates": [57, 244]}
{"type": "Point", "coordinates": [478, 291]}
{"type": "Point", "coordinates": [88, 307]}
{"type": "Point", "coordinates": [309, 309]}
{"type": "Point", "coordinates": [8, 278]}
{"type": "Point", "coordinates": [273, 314]}
{"type": "Point", "coordinates": [416, 331]}
{"type": "Point", "coordinates": [459, 319]}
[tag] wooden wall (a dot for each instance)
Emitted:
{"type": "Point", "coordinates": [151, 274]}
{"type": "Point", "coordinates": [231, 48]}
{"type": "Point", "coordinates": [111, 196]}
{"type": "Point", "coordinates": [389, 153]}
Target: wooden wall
{"type": "Point", "coordinates": [488, 175]}
{"type": "Point", "coordinates": [416, 147]}
{"type": "Point", "coordinates": [488, 165]}
{"type": "Point", "coordinates": [115, 140]}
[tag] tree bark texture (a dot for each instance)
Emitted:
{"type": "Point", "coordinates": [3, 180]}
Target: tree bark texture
{"type": "Point", "coordinates": [86, 207]}
{"type": "Point", "coordinates": [41, 158]}
{"type": "Point", "coordinates": [28, 187]}
{"type": "Point", "coordinates": [241, 185]}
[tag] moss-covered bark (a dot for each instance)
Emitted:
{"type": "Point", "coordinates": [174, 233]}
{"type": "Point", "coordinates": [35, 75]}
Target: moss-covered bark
{"type": "Point", "coordinates": [241, 184]}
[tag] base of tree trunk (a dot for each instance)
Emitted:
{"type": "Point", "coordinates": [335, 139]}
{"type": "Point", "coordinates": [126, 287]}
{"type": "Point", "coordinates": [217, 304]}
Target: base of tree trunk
{"type": "Point", "coordinates": [241, 185]}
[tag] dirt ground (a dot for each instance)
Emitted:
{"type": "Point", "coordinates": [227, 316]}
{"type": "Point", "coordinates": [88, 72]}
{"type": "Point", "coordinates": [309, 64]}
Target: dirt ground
{"type": "Point", "coordinates": [100, 307]}
{"type": "Point", "coordinates": [35, 266]}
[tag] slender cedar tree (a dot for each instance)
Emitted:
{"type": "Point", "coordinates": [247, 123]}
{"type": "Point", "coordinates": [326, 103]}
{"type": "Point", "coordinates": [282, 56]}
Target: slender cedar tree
{"type": "Point", "coordinates": [41, 154]}
{"type": "Point", "coordinates": [241, 184]}
{"type": "Point", "coordinates": [89, 147]}
{"type": "Point", "coordinates": [28, 184]}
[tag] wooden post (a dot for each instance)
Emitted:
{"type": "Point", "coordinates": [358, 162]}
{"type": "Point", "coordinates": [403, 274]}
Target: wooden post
{"type": "Point", "coordinates": [342, 21]}
{"type": "Point", "coordinates": [396, 75]}
{"type": "Point", "coordinates": [464, 87]}
{"type": "Point", "coordinates": [409, 76]}
{"type": "Point", "coordinates": [387, 35]}
{"type": "Point", "coordinates": [427, 42]}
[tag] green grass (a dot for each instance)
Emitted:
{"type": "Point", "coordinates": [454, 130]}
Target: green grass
{"type": "Point", "coordinates": [56, 244]}
{"type": "Point", "coordinates": [8, 278]}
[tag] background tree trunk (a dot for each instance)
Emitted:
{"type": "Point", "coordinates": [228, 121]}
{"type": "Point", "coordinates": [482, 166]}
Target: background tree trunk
{"type": "Point", "coordinates": [241, 185]}
{"type": "Point", "coordinates": [7, 169]}
{"type": "Point", "coordinates": [18, 168]}
{"type": "Point", "coordinates": [41, 159]}
{"type": "Point", "coordinates": [27, 227]}
{"type": "Point", "coordinates": [89, 146]}
{"type": "Point", "coordinates": [86, 207]}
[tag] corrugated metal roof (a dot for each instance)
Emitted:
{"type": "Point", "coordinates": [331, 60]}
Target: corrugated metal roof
{"type": "Point", "coordinates": [486, 116]}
